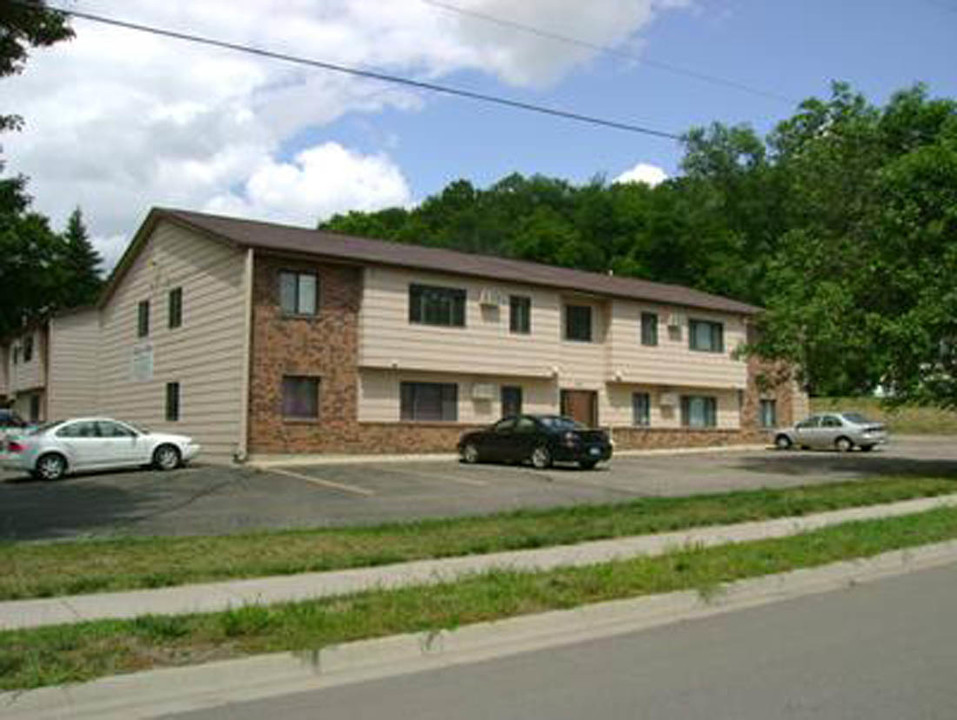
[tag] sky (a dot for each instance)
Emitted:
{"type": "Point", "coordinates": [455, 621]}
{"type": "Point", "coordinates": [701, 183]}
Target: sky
{"type": "Point", "coordinates": [119, 121]}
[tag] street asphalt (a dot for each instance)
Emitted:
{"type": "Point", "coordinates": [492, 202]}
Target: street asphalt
{"type": "Point", "coordinates": [882, 651]}
{"type": "Point", "coordinates": [207, 499]}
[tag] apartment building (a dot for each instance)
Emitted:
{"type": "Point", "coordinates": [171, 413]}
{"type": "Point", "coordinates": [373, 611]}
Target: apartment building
{"type": "Point", "coordinates": [23, 377]}
{"type": "Point", "coordinates": [261, 338]}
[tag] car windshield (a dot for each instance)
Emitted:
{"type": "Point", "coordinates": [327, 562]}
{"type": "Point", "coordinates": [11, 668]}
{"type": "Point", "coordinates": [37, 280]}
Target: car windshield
{"type": "Point", "coordinates": [557, 422]}
{"type": "Point", "coordinates": [855, 418]}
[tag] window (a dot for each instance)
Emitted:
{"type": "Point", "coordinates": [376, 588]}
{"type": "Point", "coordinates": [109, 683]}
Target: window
{"type": "Point", "coordinates": [578, 323]}
{"type": "Point", "coordinates": [706, 336]}
{"type": "Point", "coordinates": [16, 354]}
{"type": "Point", "coordinates": [699, 411]}
{"type": "Point", "coordinates": [831, 421]}
{"type": "Point", "coordinates": [506, 425]}
{"type": "Point", "coordinates": [520, 314]}
{"type": "Point", "coordinates": [430, 305]}
{"type": "Point", "coordinates": [300, 398]}
{"type": "Point", "coordinates": [526, 425]}
{"type": "Point", "coordinates": [429, 401]}
{"type": "Point", "coordinates": [641, 409]}
{"type": "Point", "coordinates": [649, 328]}
{"type": "Point", "coordinates": [109, 429]}
{"type": "Point", "coordinates": [298, 293]}
{"type": "Point", "coordinates": [82, 429]}
{"type": "Point", "coordinates": [143, 319]}
{"type": "Point", "coordinates": [511, 400]}
{"type": "Point", "coordinates": [812, 422]}
{"type": "Point", "coordinates": [175, 308]}
{"type": "Point", "coordinates": [28, 348]}
{"type": "Point", "coordinates": [172, 402]}
{"type": "Point", "coordinates": [769, 414]}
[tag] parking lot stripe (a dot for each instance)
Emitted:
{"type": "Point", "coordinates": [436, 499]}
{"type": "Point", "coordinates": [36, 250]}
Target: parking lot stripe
{"type": "Point", "coordinates": [355, 489]}
{"type": "Point", "coordinates": [467, 481]}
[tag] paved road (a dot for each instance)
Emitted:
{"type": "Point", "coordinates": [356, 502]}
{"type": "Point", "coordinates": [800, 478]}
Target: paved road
{"type": "Point", "coordinates": [883, 651]}
{"type": "Point", "coordinates": [216, 500]}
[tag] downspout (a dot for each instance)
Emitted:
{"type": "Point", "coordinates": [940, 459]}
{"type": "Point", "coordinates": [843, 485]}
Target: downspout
{"type": "Point", "coordinates": [242, 447]}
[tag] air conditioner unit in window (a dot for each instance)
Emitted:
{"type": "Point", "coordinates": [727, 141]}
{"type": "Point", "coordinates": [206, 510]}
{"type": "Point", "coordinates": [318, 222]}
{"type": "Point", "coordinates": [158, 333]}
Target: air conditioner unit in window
{"type": "Point", "coordinates": [483, 391]}
{"type": "Point", "coordinates": [491, 296]}
{"type": "Point", "coordinates": [668, 399]}
{"type": "Point", "coordinates": [676, 320]}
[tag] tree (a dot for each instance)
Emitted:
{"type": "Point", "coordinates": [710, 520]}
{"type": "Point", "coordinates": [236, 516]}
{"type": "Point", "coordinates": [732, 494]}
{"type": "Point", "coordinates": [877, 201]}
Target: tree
{"type": "Point", "coordinates": [81, 264]}
{"type": "Point", "coordinates": [23, 25]}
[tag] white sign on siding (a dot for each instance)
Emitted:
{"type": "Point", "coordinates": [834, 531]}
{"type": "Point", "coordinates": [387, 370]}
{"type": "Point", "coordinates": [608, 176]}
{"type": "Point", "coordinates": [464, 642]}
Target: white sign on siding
{"type": "Point", "coordinates": [142, 368]}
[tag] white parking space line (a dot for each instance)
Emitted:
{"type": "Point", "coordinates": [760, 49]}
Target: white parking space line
{"type": "Point", "coordinates": [355, 489]}
{"type": "Point", "coordinates": [467, 481]}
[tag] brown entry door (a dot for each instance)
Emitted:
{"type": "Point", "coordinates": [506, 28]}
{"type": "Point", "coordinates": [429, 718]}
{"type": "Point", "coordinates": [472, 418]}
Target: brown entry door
{"type": "Point", "coordinates": [581, 405]}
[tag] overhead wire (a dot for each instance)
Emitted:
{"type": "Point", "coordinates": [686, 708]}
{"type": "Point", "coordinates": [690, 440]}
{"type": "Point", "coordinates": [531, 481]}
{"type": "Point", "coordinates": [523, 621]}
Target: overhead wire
{"type": "Point", "coordinates": [359, 72]}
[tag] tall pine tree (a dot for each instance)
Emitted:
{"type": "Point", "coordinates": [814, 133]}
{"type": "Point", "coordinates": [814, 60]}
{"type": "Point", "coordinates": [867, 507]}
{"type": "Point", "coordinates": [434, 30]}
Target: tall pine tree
{"type": "Point", "coordinates": [81, 264]}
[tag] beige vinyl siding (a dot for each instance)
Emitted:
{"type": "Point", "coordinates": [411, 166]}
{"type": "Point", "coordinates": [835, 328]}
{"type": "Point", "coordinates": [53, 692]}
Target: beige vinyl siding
{"type": "Point", "coordinates": [28, 375]}
{"type": "Point", "coordinates": [672, 362]}
{"type": "Point", "coordinates": [379, 395]}
{"type": "Point", "coordinates": [583, 365]}
{"type": "Point", "coordinates": [485, 345]}
{"type": "Point", "coordinates": [204, 355]}
{"type": "Point", "coordinates": [73, 351]}
{"type": "Point", "coordinates": [618, 410]}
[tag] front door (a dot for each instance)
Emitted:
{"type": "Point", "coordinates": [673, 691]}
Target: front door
{"type": "Point", "coordinates": [581, 405]}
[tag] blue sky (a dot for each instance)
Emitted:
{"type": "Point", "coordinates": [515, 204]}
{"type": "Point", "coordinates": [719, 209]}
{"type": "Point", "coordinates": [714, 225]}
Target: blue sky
{"type": "Point", "coordinates": [118, 122]}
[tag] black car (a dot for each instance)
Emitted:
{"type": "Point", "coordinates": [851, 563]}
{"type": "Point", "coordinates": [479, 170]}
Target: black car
{"type": "Point", "coordinates": [540, 439]}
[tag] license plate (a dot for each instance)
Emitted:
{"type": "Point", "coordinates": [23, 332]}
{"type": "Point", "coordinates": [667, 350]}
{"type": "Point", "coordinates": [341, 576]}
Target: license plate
{"type": "Point", "coordinates": [594, 451]}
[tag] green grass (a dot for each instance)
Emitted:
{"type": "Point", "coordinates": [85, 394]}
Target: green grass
{"type": "Point", "coordinates": [905, 420]}
{"type": "Point", "coordinates": [76, 653]}
{"type": "Point", "coordinates": [29, 570]}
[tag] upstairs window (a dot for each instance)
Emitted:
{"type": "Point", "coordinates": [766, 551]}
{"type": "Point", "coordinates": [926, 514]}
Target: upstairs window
{"type": "Point", "coordinates": [298, 293]}
{"type": "Point", "coordinates": [430, 305]}
{"type": "Point", "coordinates": [143, 319]}
{"type": "Point", "coordinates": [520, 314]}
{"type": "Point", "coordinates": [649, 328]}
{"type": "Point", "coordinates": [175, 308]}
{"type": "Point", "coordinates": [578, 323]}
{"type": "Point", "coordinates": [28, 348]}
{"type": "Point", "coordinates": [706, 336]}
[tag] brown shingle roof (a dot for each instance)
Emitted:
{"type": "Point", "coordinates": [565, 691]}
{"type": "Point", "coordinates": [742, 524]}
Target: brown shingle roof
{"type": "Point", "coordinates": [285, 238]}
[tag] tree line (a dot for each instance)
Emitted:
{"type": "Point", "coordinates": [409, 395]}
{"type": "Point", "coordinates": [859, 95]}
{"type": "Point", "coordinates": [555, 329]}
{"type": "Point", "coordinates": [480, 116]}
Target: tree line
{"type": "Point", "coordinates": [841, 223]}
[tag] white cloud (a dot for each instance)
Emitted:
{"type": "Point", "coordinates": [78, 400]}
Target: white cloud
{"type": "Point", "coordinates": [320, 181]}
{"type": "Point", "coordinates": [643, 173]}
{"type": "Point", "coordinates": [118, 121]}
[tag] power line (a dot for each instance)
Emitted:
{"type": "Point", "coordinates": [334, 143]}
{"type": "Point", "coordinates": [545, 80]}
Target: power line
{"type": "Point", "coordinates": [608, 50]}
{"type": "Point", "coordinates": [371, 74]}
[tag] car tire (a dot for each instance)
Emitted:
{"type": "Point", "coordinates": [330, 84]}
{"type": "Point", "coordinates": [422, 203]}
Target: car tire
{"type": "Point", "coordinates": [843, 444]}
{"type": "Point", "coordinates": [470, 454]}
{"type": "Point", "coordinates": [166, 457]}
{"type": "Point", "coordinates": [50, 467]}
{"type": "Point", "coordinates": [867, 448]}
{"type": "Point", "coordinates": [782, 442]}
{"type": "Point", "coordinates": [587, 464]}
{"type": "Point", "coordinates": [541, 458]}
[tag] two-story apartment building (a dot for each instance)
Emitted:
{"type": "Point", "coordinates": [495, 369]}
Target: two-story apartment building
{"type": "Point", "coordinates": [23, 378]}
{"type": "Point", "coordinates": [261, 338]}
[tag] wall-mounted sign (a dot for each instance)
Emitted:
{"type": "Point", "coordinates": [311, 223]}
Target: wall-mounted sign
{"type": "Point", "coordinates": [142, 367]}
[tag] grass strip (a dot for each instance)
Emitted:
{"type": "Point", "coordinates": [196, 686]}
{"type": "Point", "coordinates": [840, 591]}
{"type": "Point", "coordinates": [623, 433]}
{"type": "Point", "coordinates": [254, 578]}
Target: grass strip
{"type": "Point", "coordinates": [77, 653]}
{"type": "Point", "coordinates": [31, 570]}
{"type": "Point", "coordinates": [907, 419]}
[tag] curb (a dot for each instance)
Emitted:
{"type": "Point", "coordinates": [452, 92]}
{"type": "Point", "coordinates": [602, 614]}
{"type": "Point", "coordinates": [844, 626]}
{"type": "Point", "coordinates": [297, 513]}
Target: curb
{"type": "Point", "coordinates": [219, 596]}
{"type": "Point", "coordinates": [177, 690]}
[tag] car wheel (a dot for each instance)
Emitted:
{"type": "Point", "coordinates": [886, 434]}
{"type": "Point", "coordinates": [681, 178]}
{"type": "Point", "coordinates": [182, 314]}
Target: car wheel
{"type": "Point", "coordinates": [867, 448]}
{"type": "Point", "coordinates": [470, 454]}
{"type": "Point", "coordinates": [50, 467]}
{"type": "Point", "coordinates": [541, 458]}
{"type": "Point", "coordinates": [166, 457]}
{"type": "Point", "coordinates": [843, 444]}
{"type": "Point", "coordinates": [782, 442]}
{"type": "Point", "coordinates": [587, 464]}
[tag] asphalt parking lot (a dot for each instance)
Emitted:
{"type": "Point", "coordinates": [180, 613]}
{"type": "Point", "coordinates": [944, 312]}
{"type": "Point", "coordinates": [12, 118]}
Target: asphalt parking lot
{"type": "Point", "coordinates": [208, 499]}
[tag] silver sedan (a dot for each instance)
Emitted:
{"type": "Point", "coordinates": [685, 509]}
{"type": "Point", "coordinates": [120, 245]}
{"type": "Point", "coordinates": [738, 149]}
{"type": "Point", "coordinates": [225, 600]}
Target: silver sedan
{"type": "Point", "coordinates": [54, 449]}
{"type": "Point", "coordinates": [841, 431]}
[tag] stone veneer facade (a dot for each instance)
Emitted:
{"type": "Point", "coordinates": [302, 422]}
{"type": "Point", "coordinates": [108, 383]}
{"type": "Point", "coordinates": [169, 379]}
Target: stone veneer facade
{"type": "Point", "coordinates": [326, 347]}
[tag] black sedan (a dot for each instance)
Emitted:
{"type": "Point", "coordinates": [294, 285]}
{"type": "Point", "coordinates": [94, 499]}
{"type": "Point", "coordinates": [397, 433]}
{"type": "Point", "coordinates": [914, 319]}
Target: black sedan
{"type": "Point", "coordinates": [540, 439]}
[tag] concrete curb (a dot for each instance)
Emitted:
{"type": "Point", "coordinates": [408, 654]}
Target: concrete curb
{"type": "Point", "coordinates": [270, 461]}
{"type": "Point", "coordinates": [212, 597]}
{"type": "Point", "coordinates": [176, 690]}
